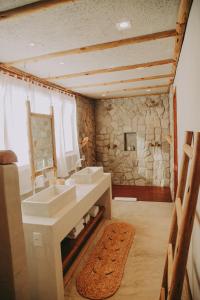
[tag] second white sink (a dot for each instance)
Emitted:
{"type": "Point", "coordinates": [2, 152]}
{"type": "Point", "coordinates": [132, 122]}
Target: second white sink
{"type": "Point", "coordinates": [88, 175]}
{"type": "Point", "coordinates": [49, 201]}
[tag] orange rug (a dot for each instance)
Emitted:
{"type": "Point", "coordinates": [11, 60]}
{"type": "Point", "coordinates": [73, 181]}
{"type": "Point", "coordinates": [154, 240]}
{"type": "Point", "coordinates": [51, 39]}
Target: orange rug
{"type": "Point", "coordinates": [101, 276]}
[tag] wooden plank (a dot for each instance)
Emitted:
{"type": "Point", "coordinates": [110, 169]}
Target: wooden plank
{"type": "Point", "coordinates": [187, 293]}
{"type": "Point", "coordinates": [162, 294]}
{"type": "Point", "coordinates": [179, 211]}
{"type": "Point", "coordinates": [41, 172]}
{"type": "Point", "coordinates": [122, 81]}
{"type": "Point", "coordinates": [142, 193]}
{"type": "Point", "coordinates": [35, 115]}
{"type": "Point", "coordinates": [190, 202]}
{"type": "Point", "coordinates": [12, 71]}
{"type": "Point", "coordinates": [30, 8]}
{"type": "Point", "coordinates": [188, 150]}
{"type": "Point", "coordinates": [170, 264]}
{"type": "Point", "coordinates": [99, 47]}
{"type": "Point", "coordinates": [183, 14]}
{"type": "Point", "coordinates": [137, 88]}
{"type": "Point", "coordinates": [138, 95]}
{"type": "Point", "coordinates": [184, 168]}
{"type": "Point", "coordinates": [114, 69]}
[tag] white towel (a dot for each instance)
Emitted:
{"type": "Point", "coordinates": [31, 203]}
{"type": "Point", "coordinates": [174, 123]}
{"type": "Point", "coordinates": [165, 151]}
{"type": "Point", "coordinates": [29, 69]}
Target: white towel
{"type": "Point", "coordinates": [94, 211]}
{"type": "Point", "coordinates": [77, 228]}
{"type": "Point", "coordinates": [81, 222]}
{"type": "Point", "coordinates": [73, 235]}
{"type": "Point", "coordinates": [86, 219]}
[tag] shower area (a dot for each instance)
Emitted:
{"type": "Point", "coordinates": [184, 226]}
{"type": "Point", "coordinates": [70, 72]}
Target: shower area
{"type": "Point", "coordinates": [131, 140]}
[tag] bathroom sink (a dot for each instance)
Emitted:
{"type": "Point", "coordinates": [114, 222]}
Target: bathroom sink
{"type": "Point", "coordinates": [49, 201]}
{"type": "Point", "coordinates": [88, 175]}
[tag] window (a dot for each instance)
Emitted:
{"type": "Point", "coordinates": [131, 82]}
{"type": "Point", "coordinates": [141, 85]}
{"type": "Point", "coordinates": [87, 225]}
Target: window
{"type": "Point", "coordinates": [13, 123]}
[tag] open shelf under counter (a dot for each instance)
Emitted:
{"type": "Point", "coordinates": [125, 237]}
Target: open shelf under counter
{"type": "Point", "coordinates": [44, 255]}
{"type": "Point", "coordinates": [70, 248]}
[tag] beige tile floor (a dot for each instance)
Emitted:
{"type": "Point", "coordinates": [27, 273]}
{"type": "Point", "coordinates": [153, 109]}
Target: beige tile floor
{"type": "Point", "coordinates": [144, 267]}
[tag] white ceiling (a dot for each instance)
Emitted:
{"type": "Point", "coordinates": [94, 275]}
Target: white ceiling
{"type": "Point", "coordinates": [86, 22]}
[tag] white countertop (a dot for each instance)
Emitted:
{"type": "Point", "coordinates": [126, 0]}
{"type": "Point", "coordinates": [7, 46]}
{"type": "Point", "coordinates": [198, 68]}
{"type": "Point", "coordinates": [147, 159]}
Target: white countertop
{"type": "Point", "coordinates": [84, 193]}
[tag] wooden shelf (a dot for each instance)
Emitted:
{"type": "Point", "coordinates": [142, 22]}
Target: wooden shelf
{"type": "Point", "coordinates": [71, 248]}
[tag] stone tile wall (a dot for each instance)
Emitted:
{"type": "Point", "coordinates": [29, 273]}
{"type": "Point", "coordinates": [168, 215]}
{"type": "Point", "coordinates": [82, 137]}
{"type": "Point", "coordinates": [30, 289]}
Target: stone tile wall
{"type": "Point", "coordinates": [149, 118]}
{"type": "Point", "coordinates": [86, 127]}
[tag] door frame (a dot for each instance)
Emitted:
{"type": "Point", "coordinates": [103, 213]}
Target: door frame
{"type": "Point", "coordinates": [175, 133]}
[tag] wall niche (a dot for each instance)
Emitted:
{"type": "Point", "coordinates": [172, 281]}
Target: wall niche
{"type": "Point", "coordinates": [116, 119]}
{"type": "Point", "coordinates": [130, 141]}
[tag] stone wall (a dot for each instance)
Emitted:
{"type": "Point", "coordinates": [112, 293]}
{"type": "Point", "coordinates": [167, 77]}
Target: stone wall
{"type": "Point", "coordinates": [149, 118]}
{"type": "Point", "coordinates": [86, 127]}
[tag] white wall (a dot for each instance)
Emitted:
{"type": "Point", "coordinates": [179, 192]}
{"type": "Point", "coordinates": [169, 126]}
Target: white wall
{"type": "Point", "coordinates": [187, 83]}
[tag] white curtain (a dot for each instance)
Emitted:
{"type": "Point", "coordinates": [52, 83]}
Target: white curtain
{"type": "Point", "coordinates": [13, 123]}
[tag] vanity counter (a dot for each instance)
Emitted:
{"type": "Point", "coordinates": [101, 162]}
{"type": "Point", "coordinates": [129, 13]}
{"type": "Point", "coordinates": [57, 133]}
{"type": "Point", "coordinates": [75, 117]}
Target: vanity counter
{"type": "Point", "coordinates": [43, 236]}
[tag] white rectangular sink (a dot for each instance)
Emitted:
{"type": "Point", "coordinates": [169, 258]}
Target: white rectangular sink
{"type": "Point", "coordinates": [49, 201]}
{"type": "Point", "coordinates": [88, 175]}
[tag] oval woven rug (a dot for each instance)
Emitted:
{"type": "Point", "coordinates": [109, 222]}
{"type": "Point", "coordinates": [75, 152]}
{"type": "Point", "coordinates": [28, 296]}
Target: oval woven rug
{"type": "Point", "coordinates": [101, 277]}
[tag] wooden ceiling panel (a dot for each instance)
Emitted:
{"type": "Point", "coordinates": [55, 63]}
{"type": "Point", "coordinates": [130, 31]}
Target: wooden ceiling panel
{"type": "Point", "coordinates": [123, 86]}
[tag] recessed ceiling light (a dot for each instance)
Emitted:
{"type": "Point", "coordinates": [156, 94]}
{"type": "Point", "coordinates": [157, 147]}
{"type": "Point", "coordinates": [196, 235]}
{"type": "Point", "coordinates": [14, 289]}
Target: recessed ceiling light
{"type": "Point", "coordinates": [148, 90]}
{"type": "Point", "coordinates": [123, 25]}
{"type": "Point", "coordinates": [103, 95]}
{"type": "Point", "coordinates": [31, 44]}
{"type": "Point", "coordinates": [61, 63]}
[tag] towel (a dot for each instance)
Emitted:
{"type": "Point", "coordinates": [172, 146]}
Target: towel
{"type": "Point", "coordinates": [94, 211]}
{"type": "Point", "coordinates": [81, 222]}
{"type": "Point", "coordinates": [74, 233]}
{"type": "Point", "coordinates": [86, 218]}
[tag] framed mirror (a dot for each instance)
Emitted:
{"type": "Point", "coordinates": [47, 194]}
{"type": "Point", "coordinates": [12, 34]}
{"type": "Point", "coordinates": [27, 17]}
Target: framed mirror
{"type": "Point", "coordinates": [42, 142]}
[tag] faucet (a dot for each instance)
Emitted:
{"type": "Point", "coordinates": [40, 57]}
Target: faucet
{"type": "Point", "coordinates": [44, 174]}
{"type": "Point", "coordinates": [77, 163]}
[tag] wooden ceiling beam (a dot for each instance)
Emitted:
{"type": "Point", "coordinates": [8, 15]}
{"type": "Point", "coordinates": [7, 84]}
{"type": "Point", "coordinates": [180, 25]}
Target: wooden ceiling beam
{"type": "Point", "coordinates": [99, 47]}
{"type": "Point", "coordinates": [138, 88]}
{"type": "Point", "coordinates": [32, 78]}
{"type": "Point", "coordinates": [183, 14]}
{"type": "Point", "coordinates": [30, 8]}
{"type": "Point", "coordinates": [115, 69]}
{"type": "Point", "coordinates": [138, 95]}
{"type": "Point", "coordinates": [123, 81]}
